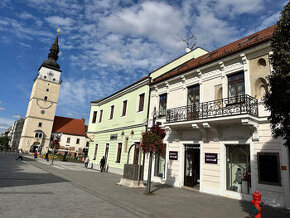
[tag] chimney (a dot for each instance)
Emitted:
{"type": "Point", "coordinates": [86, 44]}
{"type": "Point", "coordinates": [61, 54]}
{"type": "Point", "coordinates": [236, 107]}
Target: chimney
{"type": "Point", "coordinates": [187, 50]}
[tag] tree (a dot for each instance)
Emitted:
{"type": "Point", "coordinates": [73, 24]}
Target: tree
{"type": "Point", "coordinates": [277, 100]}
{"type": "Point", "coordinates": [4, 141]}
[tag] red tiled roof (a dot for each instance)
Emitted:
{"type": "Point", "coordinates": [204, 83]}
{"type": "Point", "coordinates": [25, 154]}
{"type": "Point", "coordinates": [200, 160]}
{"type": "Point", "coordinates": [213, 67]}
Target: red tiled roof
{"type": "Point", "coordinates": [239, 45]}
{"type": "Point", "coordinates": [69, 126]}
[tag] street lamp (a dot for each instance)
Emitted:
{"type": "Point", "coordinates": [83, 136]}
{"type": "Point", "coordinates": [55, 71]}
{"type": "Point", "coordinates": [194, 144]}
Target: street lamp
{"type": "Point", "coordinates": [55, 146]}
{"type": "Point", "coordinates": [150, 158]}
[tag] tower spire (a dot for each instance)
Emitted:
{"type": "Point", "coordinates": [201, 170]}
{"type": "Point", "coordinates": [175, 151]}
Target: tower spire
{"type": "Point", "coordinates": [53, 55]}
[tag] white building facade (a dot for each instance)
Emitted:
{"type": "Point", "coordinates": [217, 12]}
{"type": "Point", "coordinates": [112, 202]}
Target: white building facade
{"type": "Point", "coordinates": [218, 137]}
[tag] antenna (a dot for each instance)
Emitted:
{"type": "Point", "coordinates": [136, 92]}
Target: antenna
{"type": "Point", "coordinates": [187, 41]}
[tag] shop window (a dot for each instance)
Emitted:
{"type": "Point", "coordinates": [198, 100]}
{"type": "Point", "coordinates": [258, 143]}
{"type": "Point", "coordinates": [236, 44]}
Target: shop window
{"type": "Point", "coordinates": [141, 102]}
{"type": "Point", "coordinates": [94, 117]}
{"type": "Point", "coordinates": [96, 151]}
{"type": "Point", "coordinates": [238, 168]}
{"type": "Point", "coordinates": [159, 166]}
{"type": "Point", "coordinates": [101, 116]}
{"type": "Point", "coordinates": [236, 87]}
{"type": "Point", "coordinates": [119, 152]}
{"type": "Point", "coordinates": [162, 104]}
{"type": "Point", "coordinates": [269, 168]}
{"type": "Point", "coordinates": [124, 108]}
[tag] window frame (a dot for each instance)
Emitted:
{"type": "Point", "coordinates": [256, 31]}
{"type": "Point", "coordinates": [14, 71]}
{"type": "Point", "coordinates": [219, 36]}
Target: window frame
{"type": "Point", "coordinates": [68, 140]}
{"type": "Point", "coordinates": [277, 155]}
{"type": "Point", "coordinates": [101, 116]}
{"type": "Point", "coordinates": [235, 82]}
{"type": "Point", "coordinates": [45, 98]}
{"type": "Point", "coordinates": [162, 102]}
{"type": "Point", "coordinates": [78, 141]}
{"type": "Point", "coordinates": [40, 124]}
{"type": "Point", "coordinates": [139, 106]}
{"type": "Point", "coordinates": [124, 108]}
{"type": "Point", "coordinates": [95, 151]}
{"type": "Point", "coordinates": [94, 118]}
{"type": "Point", "coordinates": [119, 152]}
{"type": "Point", "coordinates": [112, 112]}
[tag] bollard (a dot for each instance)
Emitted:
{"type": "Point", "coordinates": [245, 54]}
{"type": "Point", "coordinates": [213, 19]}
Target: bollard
{"type": "Point", "coordinates": [257, 204]}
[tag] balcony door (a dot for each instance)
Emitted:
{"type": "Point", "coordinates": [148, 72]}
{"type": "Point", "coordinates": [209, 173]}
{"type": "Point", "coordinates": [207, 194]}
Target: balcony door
{"type": "Point", "coordinates": [236, 87]}
{"type": "Point", "coordinates": [193, 102]}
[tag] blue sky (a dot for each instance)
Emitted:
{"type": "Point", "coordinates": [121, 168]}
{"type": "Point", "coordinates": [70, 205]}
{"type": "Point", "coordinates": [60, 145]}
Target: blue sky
{"type": "Point", "coordinates": [108, 44]}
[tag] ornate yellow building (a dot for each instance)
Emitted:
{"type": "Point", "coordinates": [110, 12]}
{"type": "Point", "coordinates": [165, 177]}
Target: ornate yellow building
{"type": "Point", "coordinates": [42, 104]}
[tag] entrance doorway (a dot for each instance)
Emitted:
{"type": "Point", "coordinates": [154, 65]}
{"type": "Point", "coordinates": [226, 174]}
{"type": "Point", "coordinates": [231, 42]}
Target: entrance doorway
{"type": "Point", "coordinates": [136, 153]}
{"type": "Point", "coordinates": [192, 166]}
{"type": "Point", "coordinates": [106, 155]}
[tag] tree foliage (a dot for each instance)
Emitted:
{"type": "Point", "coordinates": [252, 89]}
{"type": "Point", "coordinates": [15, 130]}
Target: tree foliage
{"type": "Point", "coordinates": [4, 141]}
{"type": "Point", "coordinates": [277, 100]}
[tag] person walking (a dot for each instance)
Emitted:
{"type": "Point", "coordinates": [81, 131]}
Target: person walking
{"type": "Point", "coordinates": [46, 156]}
{"type": "Point", "coordinates": [102, 164]}
{"type": "Point", "coordinates": [35, 154]}
{"type": "Point", "coordinates": [20, 154]}
{"type": "Point", "coordinates": [87, 160]}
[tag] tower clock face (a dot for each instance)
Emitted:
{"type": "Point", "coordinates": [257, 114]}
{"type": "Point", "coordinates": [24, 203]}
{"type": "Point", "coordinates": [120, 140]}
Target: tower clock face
{"type": "Point", "coordinates": [50, 74]}
{"type": "Point", "coordinates": [43, 104]}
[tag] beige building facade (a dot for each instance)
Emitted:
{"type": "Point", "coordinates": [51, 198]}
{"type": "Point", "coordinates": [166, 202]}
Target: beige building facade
{"type": "Point", "coordinates": [218, 138]}
{"type": "Point", "coordinates": [42, 104]}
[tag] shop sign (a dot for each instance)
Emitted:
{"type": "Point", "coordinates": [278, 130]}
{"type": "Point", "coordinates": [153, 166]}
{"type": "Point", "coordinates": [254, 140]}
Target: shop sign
{"type": "Point", "coordinates": [113, 137]}
{"type": "Point", "coordinates": [173, 155]}
{"type": "Point", "coordinates": [211, 158]}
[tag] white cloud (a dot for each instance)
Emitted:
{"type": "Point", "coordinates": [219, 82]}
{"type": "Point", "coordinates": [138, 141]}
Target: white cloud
{"type": "Point", "coordinates": [16, 116]}
{"type": "Point", "coordinates": [2, 109]}
{"type": "Point", "coordinates": [5, 123]}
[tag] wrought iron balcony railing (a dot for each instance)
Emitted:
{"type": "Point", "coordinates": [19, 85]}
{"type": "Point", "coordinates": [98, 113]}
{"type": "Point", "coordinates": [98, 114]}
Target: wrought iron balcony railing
{"type": "Point", "coordinates": [242, 104]}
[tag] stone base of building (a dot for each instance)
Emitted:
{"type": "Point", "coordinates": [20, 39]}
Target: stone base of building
{"type": "Point", "coordinates": [131, 183]}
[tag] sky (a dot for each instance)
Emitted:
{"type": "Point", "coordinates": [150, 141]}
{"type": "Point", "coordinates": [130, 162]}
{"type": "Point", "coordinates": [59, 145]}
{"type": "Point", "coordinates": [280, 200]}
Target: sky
{"type": "Point", "coordinates": [106, 45]}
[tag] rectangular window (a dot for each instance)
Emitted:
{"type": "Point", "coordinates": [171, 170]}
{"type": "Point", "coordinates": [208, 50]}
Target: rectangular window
{"type": "Point", "coordinates": [141, 102]}
{"type": "Point", "coordinates": [94, 117]}
{"type": "Point", "coordinates": [45, 98]}
{"type": "Point", "coordinates": [78, 141]}
{"type": "Point", "coordinates": [124, 108]}
{"type": "Point", "coordinates": [119, 152]}
{"type": "Point", "coordinates": [162, 104]}
{"type": "Point", "coordinates": [193, 102]}
{"type": "Point", "coordinates": [68, 140]}
{"type": "Point", "coordinates": [236, 87]}
{"type": "Point", "coordinates": [36, 135]}
{"type": "Point", "coordinates": [112, 112]}
{"type": "Point", "coordinates": [269, 168]}
{"type": "Point", "coordinates": [96, 150]}
{"type": "Point", "coordinates": [39, 124]}
{"type": "Point", "coordinates": [101, 116]}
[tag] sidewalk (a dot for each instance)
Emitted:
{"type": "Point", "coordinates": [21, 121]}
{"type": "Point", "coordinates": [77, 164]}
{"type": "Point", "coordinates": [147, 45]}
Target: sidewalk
{"type": "Point", "coordinates": [166, 201]}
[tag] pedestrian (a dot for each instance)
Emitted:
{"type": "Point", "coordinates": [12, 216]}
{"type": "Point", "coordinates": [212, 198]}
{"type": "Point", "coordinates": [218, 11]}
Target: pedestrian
{"type": "Point", "coordinates": [102, 164]}
{"type": "Point", "coordinates": [20, 154]}
{"type": "Point", "coordinates": [35, 154]}
{"type": "Point", "coordinates": [87, 160]}
{"type": "Point", "coordinates": [46, 156]}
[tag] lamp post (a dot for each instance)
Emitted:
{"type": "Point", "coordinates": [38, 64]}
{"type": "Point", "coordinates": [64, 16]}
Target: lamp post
{"type": "Point", "coordinates": [150, 159]}
{"type": "Point", "coordinates": [58, 135]}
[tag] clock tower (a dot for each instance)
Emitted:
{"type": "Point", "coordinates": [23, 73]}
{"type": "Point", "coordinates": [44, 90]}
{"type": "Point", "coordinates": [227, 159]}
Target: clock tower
{"type": "Point", "coordinates": [41, 109]}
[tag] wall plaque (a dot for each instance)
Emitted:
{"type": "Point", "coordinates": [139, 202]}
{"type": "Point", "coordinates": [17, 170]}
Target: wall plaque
{"type": "Point", "coordinates": [211, 158]}
{"type": "Point", "coordinates": [173, 155]}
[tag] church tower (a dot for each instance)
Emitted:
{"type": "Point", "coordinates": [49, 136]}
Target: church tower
{"type": "Point", "coordinates": [41, 109]}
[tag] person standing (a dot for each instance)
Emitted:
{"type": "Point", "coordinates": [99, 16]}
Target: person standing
{"type": "Point", "coordinates": [35, 154]}
{"type": "Point", "coordinates": [102, 164]}
{"type": "Point", "coordinates": [46, 156]}
{"type": "Point", "coordinates": [20, 154]}
{"type": "Point", "coordinates": [87, 160]}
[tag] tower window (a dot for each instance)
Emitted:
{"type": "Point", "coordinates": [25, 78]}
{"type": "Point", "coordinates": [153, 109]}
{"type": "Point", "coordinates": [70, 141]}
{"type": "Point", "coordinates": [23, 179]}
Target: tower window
{"type": "Point", "coordinates": [44, 77]}
{"type": "Point", "coordinates": [39, 124]}
{"type": "Point", "coordinates": [45, 98]}
{"type": "Point", "coordinates": [53, 79]}
{"type": "Point", "coordinates": [47, 90]}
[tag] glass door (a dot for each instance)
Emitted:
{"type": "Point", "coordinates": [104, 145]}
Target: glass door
{"type": "Point", "coordinates": [193, 102]}
{"type": "Point", "coordinates": [192, 165]}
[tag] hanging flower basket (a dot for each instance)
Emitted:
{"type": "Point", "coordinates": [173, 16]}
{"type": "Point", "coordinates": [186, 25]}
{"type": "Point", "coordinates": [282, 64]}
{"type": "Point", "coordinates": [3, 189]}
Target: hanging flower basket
{"type": "Point", "coordinates": [55, 144]}
{"type": "Point", "coordinates": [152, 141]}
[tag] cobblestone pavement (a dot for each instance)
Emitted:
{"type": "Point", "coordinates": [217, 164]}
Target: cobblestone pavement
{"type": "Point", "coordinates": [70, 190]}
{"type": "Point", "coordinates": [28, 191]}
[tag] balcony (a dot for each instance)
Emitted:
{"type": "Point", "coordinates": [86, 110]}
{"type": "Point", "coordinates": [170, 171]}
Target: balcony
{"type": "Point", "coordinates": [242, 104]}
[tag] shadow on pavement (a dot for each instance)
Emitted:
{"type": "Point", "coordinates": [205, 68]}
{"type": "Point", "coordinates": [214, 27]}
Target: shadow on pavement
{"type": "Point", "coordinates": [20, 173]}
